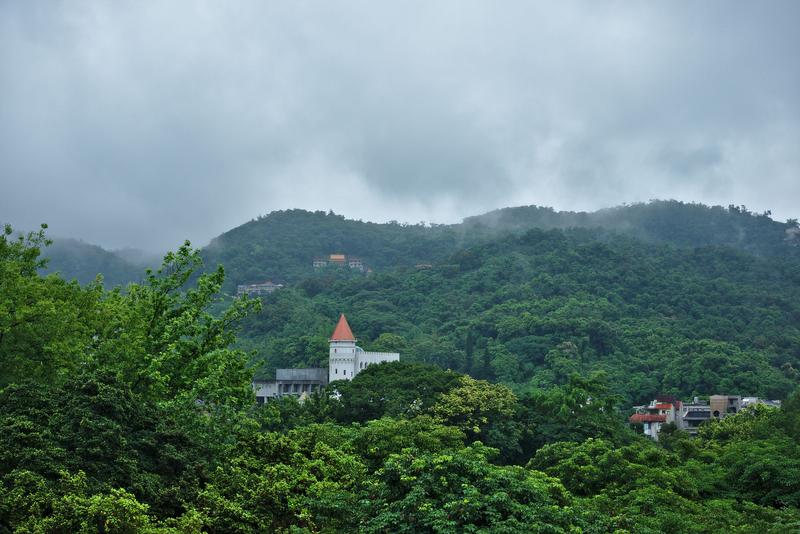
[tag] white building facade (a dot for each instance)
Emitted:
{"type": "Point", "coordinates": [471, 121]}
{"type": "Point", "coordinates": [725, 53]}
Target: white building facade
{"type": "Point", "coordinates": [346, 359]}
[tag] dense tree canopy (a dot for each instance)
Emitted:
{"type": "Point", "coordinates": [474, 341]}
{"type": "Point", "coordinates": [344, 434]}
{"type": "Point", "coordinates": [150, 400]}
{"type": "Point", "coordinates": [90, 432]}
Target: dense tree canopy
{"type": "Point", "coordinates": [131, 410]}
{"type": "Point", "coordinates": [533, 309]}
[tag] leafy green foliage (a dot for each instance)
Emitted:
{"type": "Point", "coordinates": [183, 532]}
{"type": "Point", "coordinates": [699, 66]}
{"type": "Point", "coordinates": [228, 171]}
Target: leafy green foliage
{"type": "Point", "coordinates": [472, 405]}
{"type": "Point", "coordinates": [131, 411]}
{"type": "Point", "coordinates": [391, 389]}
{"type": "Point", "coordinates": [46, 324]}
{"type": "Point", "coordinates": [461, 491]}
{"type": "Point", "coordinates": [164, 340]}
{"type": "Point", "coordinates": [533, 309]}
{"type": "Point", "coordinates": [280, 481]}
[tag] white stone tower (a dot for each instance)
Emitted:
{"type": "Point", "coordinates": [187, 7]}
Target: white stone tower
{"type": "Point", "coordinates": [343, 353]}
{"type": "Point", "coordinates": [346, 359]}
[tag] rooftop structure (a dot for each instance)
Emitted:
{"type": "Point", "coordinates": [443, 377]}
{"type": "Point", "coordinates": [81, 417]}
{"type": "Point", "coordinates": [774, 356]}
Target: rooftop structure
{"type": "Point", "coordinates": [294, 382]}
{"type": "Point", "coordinates": [722, 405]}
{"type": "Point", "coordinates": [342, 331]}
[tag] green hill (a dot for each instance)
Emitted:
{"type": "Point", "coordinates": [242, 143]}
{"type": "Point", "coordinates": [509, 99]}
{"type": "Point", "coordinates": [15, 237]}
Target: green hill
{"type": "Point", "coordinates": [133, 412]}
{"type": "Point", "coordinates": [665, 297]}
{"type": "Point", "coordinates": [662, 221]}
{"type": "Point", "coordinates": [531, 309]}
{"type": "Point", "coordinates": [75, 259]}
{"type": "Point", "coordinates": [281, 246]}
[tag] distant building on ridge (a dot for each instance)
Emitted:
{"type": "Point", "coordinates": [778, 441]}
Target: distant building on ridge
{"type": "Point", "coordinates": [339, 260]}
{"type": "Point", "coordinates": [264, 288]}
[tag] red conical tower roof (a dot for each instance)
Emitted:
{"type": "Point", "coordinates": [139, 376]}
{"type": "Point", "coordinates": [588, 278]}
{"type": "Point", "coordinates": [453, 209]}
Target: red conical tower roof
{"type": "Point", "coordinates": [342, 331]}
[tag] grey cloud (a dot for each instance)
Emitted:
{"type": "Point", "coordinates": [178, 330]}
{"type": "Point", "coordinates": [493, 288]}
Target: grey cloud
{"type": "Point", "coordinates": [683, 161]}
{"type": "Point", "coordinates": [148, 123]}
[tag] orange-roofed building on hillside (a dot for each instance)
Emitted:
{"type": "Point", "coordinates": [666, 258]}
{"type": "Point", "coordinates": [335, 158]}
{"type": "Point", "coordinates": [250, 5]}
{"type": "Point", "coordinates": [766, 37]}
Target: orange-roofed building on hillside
{"type": "Point", "coordinates": [657, 413]}
{"type": "Point", "coordinates": [346, 359]}
{"type": "Point", "coordinates": [339, 260]}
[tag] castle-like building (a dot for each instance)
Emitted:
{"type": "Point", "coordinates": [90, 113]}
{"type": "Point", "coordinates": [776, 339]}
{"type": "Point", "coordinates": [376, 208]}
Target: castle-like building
{"type": "Point", "coordinates": [345, 361]}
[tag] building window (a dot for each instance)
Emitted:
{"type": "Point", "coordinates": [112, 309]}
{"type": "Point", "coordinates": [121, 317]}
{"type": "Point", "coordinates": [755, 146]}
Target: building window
{"type": "Point", "coordinates": [336, 371]}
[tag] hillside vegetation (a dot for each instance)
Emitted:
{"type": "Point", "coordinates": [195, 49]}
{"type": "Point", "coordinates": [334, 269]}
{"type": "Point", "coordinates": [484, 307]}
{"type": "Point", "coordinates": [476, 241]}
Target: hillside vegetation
{"type": "Point", "coordinates": [282, 245]}
{"type": "Point", "coordinates": [75, 259]}
{"type": "Point", "coordinates": [677, 223]}
{"type": "Point", "coordinates": [130, 411]}
{"type": "Point", "coordinates": [529, 310]}
{"type": "Point", "coordinates": [664, 297]}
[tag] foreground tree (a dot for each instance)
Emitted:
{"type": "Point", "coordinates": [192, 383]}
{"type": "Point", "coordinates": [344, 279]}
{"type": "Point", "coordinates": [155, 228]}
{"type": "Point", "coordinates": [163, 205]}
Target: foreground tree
{"type": "Point", "coordinates": [46, 324]}
{"type": "Point", "coordinates": [161, 337]}
{"type": "Point", "coordinates": [462, 491]}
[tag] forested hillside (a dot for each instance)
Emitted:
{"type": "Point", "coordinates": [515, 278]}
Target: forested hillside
{"type": "Point", "coordinates": [281, 245]}
{"type": "Point", "coordinates": [528, 310]}
{"type": "Point", "coordinates": [126, 412]}
{"type": "Point", "coordinates": [75, 259]}
{"type": "Point", "coordinates": [665, 297]}
{"type": "Point", "coordinates": [677, 223]}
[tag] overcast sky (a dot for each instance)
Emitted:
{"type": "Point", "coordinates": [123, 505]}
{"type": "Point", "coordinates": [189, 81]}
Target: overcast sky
{"type": "Point", "coordinates": [146, 123]}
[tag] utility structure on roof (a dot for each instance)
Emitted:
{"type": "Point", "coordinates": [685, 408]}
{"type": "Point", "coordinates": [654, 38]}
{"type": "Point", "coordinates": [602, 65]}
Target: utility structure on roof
{"type": "Point", "coordinates": [346, 359]}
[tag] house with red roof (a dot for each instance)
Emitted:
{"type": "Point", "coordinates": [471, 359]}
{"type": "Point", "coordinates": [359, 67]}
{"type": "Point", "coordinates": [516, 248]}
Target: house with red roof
{"type": "Point", "coordinates": [659, 412]}
{"type": "Point", "coordinates": [689, 416]}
